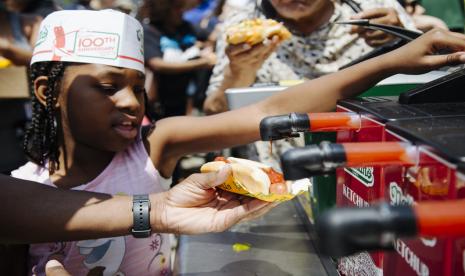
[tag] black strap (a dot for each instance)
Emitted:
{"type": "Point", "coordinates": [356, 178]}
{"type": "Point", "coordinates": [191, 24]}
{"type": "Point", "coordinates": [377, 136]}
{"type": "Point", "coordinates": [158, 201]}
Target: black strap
{"type": "Point", "coordinates": [141, 216]}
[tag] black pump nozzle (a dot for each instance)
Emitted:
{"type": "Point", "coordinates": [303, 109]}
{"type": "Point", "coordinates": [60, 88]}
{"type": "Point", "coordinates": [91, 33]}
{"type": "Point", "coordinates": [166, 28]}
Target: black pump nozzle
{"type": "Point", "coordinates": [345, 231]}
{"type": "Point", "coordinates": [312, 160]}
{"type": "Point", "coordinates": [283, 126]}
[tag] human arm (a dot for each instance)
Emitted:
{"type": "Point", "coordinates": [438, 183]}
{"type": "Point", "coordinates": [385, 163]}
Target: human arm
{"type": "Point", "coordinates": [19, 55]}
{"type": "Point", "coordinates": [154, 55]}
{"type": "Point", "coordinates": [34, 213]}
{"type": "Point", "coordinates": [176, 137]}
{"type": "Point", "coordinates": [157, 64]}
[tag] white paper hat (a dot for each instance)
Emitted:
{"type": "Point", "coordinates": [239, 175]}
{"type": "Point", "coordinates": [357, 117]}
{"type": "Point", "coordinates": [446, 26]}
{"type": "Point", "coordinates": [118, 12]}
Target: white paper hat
{"type": "Point", "coordinates": [105, 37]}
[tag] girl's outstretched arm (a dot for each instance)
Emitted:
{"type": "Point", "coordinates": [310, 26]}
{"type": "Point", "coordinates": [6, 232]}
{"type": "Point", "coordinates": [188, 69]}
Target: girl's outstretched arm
{"type": "Point", "coordinates": [178, 136]}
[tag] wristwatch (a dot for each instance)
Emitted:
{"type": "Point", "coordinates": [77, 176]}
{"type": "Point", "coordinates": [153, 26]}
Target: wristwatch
{"type": "Point", "coordinates": [141, 216]}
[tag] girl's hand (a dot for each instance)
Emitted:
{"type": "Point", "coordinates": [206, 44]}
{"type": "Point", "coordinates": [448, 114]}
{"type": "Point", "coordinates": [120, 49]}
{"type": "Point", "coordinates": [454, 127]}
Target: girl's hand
{"type": "Point", "coordinates": [435, 49]}
{"type": "Point", "coordinates": [195, 206]}
{"type": "Point", "coordinates": [387, 16]}
{"type": "Point", "coordinates": [245, 60]}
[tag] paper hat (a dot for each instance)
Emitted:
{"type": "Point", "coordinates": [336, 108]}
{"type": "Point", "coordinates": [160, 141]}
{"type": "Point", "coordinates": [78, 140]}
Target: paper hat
{"type": "Point", "coordinates": [104, 37]}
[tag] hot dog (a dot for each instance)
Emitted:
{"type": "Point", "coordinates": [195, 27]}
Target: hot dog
{"type": "Point", "coordinates": [255, 177]}
{"type": "Point", "coordinates": [254, 31]}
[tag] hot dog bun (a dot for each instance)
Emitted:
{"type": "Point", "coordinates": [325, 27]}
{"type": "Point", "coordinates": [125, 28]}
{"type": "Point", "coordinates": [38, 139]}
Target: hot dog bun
{"type": "Point", "coordinates": [247, 173]}
{"type": "Point", "coordinates": [254, 31]}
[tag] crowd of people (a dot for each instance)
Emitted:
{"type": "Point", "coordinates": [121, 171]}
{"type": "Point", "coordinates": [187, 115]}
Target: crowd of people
{"type": "Point", "coordinates": [113, 128]}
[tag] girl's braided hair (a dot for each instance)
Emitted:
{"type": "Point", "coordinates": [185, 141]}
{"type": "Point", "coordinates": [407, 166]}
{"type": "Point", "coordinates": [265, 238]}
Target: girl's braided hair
{"type": "Point", "coordinates": [41, 139]}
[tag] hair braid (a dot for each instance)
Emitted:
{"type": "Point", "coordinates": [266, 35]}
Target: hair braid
{"type": "Point", "coordinates": [41, 139]}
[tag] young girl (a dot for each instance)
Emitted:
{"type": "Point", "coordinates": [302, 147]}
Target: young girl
{"type": "Point", "coordinates": [88, 111]}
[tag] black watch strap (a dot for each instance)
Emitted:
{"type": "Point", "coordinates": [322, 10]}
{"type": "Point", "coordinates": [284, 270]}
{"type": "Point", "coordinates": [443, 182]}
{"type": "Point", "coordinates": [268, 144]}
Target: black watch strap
{"type": "Point", "coordinates": [141, 216]}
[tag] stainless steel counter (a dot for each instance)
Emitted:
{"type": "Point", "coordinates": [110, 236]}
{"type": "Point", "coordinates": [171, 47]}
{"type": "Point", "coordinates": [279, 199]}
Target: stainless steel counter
{"type": "Point", "coordinates": [281, 243]}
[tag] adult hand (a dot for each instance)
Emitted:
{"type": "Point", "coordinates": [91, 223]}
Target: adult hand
{"type": "Point", "coordinates": [387, 16]}
{"type": "Point", "coordinates": [55, 268]}
{"type": "Point", "coordinates": [209, 56]}
{"type": "Point", "coordinates": [245, 60]}
{"type": "Point", "coordinates": [435, 49]}
{"type": "Point", "coordinates": [195, 206]}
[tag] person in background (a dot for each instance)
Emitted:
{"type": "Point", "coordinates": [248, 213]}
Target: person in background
{"type": "Point", "coordinates": [173, 57]}
{"type": "Point", "coordinates": [36, 7]}
{"type": "Point", "coordinates": [172, 53]}
{"type": "Point", "coordinates": [126, 6]}
{"type": "Point", "coordinates": [18, 33]}
{"type": "Point", "coordinates": [79, 5]}
{"type": "Point", "coordinates": [204, 19]}
{"type": "Point", "coordinates": [429, 14]}
{"type": "Point", "coordinates": [105, 4]}
{"type": "Point", "coordinates": [318, 47]}
{"type": "Point", "coordinates": [200, 9]}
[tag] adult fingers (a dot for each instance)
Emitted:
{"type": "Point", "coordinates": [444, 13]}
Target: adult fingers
{"type": "Point", "coordinates": [371, 13]}
{"type": "Point", "coordinates": [257, 52]}
{"type": "Point", "coordinates": [55, 268]}
{"type": "Point", "coordinates": [246, 49]}
{"type": "Point", "coordinates": [273, 45]}
{"type": "Point", "coordinates": [357, 30]}
{"type": "Point", "coordinates": [371, 34]}
{"type": "Point", "coordinates": [234, 50]}
{"type": "Point", "coordinates": [210, 180]}
{"type": "Point", "coordinates": [441, 40]}
{"type": "Point", "coordinates": [390, 18]}
{"type": "Point", "coordinates": [437, 61]}
{"type": "Point", "coordinates": [378, 42]}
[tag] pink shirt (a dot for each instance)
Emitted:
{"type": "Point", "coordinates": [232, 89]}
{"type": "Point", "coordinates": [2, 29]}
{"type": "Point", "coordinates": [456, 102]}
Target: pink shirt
{"type": "Point", "coordinates": [130, 172]}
